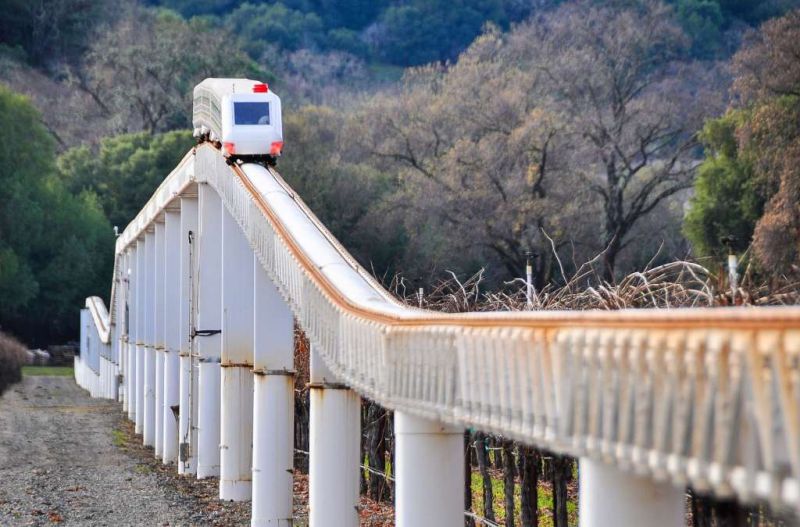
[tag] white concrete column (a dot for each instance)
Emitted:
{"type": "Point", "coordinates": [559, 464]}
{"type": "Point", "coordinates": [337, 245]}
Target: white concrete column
{"type": "Point", "coordinates": [149, 422]}
{"type": "Point", "coordinates": [429, 472]}
{"type": "Point", "coordinates": [187, 304]}
{"type": "Point", "coordinates": [122, 314]}
{"type": "Point", "coordinates": [158, 324]}
{"type": "Point", "coordinates": [273, 404]}
{"type": "Point", "coordinates": [116, 343]}
{"type": "Point", "coordinates": [130, 374]}
{"type": "Point", "coordinates": [208, 340]}
{"type": "Point", "coordinates": [124, 368]}
{"type": "Point", "coordinates": [83, 356]}
{"type": "Point", "coordinates": [610, 497]}
{"type": "Point", "coordinates": [208, 381]}
{"type": "Point", "coordinates": [236, 415]}
{"type": "Point", "coordinates": [140, 336]}
{"type": "Point", "coordinates": [172, 331]}
{"type": "Point", "coordinates": [335, 441]}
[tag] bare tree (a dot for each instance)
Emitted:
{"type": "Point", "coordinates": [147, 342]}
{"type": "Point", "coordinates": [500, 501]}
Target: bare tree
{"type": "Point", "coordinates": [631, 110]}
{"type": "Point", "coordinates": [142, 70]}
{"type": "Point", "coordinates": [578, 123]}
{"type": "Point", "coordinates": [475, 150]}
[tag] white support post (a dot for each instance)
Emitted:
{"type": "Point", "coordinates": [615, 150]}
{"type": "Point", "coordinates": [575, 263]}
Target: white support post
{"type": "Point", "coordinates": [172, 333]}
{"type": "Point", "coordinates": [149, 423]}
{"type": "Point", "coordinates": [429, 472]}
{"type": "Point", "coordinates": [158, 324]}
{"type": "Point", "coordinates": [610, 497]}
{"type": "Point", "coordinates": [140, 337]}
{"type": "Point", "coordinates": [115, 341]}
{"type": "Point", "coordinates": [133, 291]}
{"type": "Point", "coordinates": [335, 442]}
{"type": "Point", "coordinates": [208, 341]}
{"type": "Point", "coordinates": [236, 415]}
{"type": "Point", "coordinates": [208, 378]}
{"type": "Point", "coordinates": [273, 404]}
{"type": "Point", "coordinates": [125, 364]}
{"type": "Point", "coordinates": [83, 356]}
{"type": "Point", "coordinates": [187, 418]}
{"type": "Point", "coordinates": [122, 317]}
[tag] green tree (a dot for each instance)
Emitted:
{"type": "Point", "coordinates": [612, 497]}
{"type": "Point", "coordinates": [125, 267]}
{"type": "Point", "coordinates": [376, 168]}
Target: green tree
{"type": "Point", "coordinates": [191, 8]}
{"type": "Point", "coordinates": [261, 25]}
{"type": "Point", "coordinates": [124, 170]}
{"type": "Point", "coordinates": [702, 20]}
{"type": "Point", "coordinates": [437, 30]}
{"type": "Point", "coordinates": [749, 184]}
{"type": "Point", "coordinates": [353, 14]}
{"type": "Point", "coordinates": [727, 200]}
{"type": "Point", "coordinates": [22, 172]}
{"type": "Point", "coordinates": [756, 11]}
{"type": "Point", "coordinates": [55, 248]}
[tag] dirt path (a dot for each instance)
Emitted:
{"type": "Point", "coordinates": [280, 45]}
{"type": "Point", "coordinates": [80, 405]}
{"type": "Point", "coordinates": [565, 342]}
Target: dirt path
{"type": "Point", "coordinates": [59, 463]}
{"type": "Point", "coordinates": [68, 459]}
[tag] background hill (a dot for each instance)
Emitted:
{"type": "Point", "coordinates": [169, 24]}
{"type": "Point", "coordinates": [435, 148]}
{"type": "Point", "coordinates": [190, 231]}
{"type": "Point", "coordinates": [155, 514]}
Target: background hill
{"type": "Point", "coordinates": [428, 135]}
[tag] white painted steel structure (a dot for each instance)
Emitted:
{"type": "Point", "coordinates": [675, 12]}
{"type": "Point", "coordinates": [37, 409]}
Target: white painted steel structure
{"type": "Point", "coordinates": [650, 400]}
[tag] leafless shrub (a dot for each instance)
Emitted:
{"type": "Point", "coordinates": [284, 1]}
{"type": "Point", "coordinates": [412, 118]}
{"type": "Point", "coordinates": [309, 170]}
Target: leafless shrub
{"type": "Point", "coordinates": [12, 357]}
{"type": "Point", "coordinates": [673, 285]}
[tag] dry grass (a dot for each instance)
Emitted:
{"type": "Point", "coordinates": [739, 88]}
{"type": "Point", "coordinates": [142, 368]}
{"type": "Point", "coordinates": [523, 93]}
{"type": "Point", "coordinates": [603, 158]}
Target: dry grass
{"type": "Point", "coordinates": [12, 357]}
{"type": "Point", "coordinates": [674, 285]}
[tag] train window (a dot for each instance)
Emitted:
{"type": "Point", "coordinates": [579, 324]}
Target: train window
{"type": "Point", "coordinates": [251, 113]}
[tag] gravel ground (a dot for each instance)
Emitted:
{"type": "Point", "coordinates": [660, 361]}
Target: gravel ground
{"type": "Point", "coordinates": [68, 459]}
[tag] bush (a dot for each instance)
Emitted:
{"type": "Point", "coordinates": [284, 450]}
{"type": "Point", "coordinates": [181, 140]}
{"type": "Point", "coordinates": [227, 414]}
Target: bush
{"type": "Point", "coordinates": [12, 357]}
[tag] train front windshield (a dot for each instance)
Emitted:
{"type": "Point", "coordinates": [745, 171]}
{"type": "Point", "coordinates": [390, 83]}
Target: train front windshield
{"type": "Point", "coordinates": [251, 113]}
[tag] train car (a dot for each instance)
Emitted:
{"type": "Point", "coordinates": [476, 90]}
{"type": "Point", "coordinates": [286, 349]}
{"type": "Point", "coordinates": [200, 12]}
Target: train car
{"type": "Point", "coordinates": [241, 116]}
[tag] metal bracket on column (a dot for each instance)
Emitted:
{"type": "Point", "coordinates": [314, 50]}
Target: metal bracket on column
{"type": "Point", "coordinates": [236, 365]}
{"type": "Point", "coordinates": [205, 332]}
{"type": "Point", "coordinates": [287, 373]}
{"type": "Point", "coordinates": [328, 385]}
{"type": "Point", "coordinates": [209, 359]}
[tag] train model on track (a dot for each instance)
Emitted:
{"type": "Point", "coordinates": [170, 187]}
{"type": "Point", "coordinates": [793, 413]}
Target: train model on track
{"type": "Point", "coordinates": [241, 117]}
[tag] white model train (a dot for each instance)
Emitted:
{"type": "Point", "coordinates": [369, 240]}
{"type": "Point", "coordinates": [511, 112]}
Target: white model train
{"type": "Point", "coordinates": [241, 116]}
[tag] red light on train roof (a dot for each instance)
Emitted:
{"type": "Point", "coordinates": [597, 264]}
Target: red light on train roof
{"type": "Point", "coordinates": [260, 88]}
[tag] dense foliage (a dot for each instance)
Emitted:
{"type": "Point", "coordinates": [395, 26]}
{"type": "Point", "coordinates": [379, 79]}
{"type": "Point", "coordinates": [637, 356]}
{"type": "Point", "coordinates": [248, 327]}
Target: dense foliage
{"type": "Point", "coordinates": [53, 245]}
{"type": "Point", "coordinates": [727, 201]}
{"type": "Point", "coordinates": [401, 33]}
{"type": "Point", "coordinates": [749, 186]}
{"type": "Point", "coordinates": [414, 32]}
{"type": "Point", "coordinates": [123, 171]}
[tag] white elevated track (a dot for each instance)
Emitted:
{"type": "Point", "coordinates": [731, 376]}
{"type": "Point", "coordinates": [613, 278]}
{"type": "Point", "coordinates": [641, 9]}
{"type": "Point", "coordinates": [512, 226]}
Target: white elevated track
{"type": "Point", "coordinates": [214, 270]}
